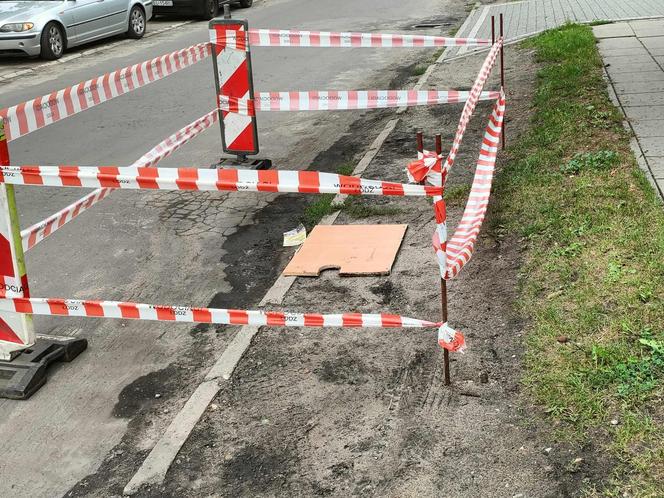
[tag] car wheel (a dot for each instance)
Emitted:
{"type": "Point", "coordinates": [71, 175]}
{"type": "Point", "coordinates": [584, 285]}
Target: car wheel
{"type": "Point", "coordinates": [210, 9]}
{"type": "Point", "coordinates": [245, 4]}
{"type": "Point", "coordinates": [52, 42]}
{"type": "Point", "coordinates": [136, 28]}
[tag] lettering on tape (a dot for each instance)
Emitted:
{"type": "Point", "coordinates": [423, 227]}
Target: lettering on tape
{"type": "Point", "coordinates": [12, 288]}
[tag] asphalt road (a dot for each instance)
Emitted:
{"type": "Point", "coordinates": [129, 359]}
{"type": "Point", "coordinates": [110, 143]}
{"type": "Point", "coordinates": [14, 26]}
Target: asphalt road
{"type": "Point", "coordinates": [165, 247]}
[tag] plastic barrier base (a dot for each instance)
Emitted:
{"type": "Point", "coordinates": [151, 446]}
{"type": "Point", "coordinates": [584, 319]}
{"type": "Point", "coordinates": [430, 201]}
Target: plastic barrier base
{"type": "Point", "coordinates": [248, 163]}
{"type": "Point", "coordinates": [25, 374]}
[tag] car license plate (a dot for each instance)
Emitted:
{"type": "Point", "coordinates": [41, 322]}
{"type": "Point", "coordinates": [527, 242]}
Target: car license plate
{"type": "Point", "coordinates": [162, 3]}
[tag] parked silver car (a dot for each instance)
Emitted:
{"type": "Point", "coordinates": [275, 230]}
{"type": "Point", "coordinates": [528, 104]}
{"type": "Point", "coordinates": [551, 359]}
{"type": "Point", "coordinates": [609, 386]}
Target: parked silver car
{"type": "Point", "coordinates": [48, 27]}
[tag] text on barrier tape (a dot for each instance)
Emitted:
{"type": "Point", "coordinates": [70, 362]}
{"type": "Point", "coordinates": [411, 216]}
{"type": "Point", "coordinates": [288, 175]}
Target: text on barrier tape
{"type": "Point", "coordinates": [332, 39]}
{"type": "Point", "coordinates": [241, 180]}
{"type": "Point", "coordinates": [342, 100]}
{"type": "Point", "coordinates": [37, 113]}
{"type": "Point", "coordinates": [447, 336]}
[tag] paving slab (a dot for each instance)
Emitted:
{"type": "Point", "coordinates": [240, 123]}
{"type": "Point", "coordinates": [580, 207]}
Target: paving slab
{"type": "Point", "coordinates": [617, 52]}
{"type": "Point", "coordinates": [632, 86]}
{"type": "Point", "coordinates": [656, 164]}
{"type": "Point", "coordinates": [613, 30]}
{"type": "Point", "coordinates": [625, 67]}
{"type": "Point", "coordinates": [641, 99]}
{"type": "Point", "coordinates": [652, 146]}
{"type": "Point", "coordinates": [656, 75]}
{"type": "Point", "coordinates": [653, 42]}
{"type": "Point", "coordinates": [642, 57]}
{"type": "Point", "coordinates": [657, 51]}
{"type": "Point", "coordinates": [650, 128]}
{"type": "Point", "coordinates": [646, 113]}
{"type": "Point", "coordinates": [618, 43]}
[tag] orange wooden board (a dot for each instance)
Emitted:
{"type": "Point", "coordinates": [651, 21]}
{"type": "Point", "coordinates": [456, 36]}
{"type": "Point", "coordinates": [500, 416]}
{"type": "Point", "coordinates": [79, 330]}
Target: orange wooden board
{"type": "Point", "coordinates": [353, 249]}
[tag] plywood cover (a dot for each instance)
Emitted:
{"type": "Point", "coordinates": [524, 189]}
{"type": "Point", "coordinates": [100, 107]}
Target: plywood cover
{"type": "Point", "coordinates": [353, 249]}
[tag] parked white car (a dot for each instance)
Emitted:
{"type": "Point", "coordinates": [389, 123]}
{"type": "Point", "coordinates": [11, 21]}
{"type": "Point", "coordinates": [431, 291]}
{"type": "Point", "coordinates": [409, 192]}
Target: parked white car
{"type": "Point", "coordinates": [48, 27]}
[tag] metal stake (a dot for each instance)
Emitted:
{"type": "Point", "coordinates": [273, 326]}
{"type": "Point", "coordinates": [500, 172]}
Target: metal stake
{"type": "Point", "coordinates": [227, 11]}
{"type": "Point", "coordinates": [443, 291]}
{"type": "Point", "coordinates": [502, 75]}
{"type": "Point", "coordinates": [493, 30]}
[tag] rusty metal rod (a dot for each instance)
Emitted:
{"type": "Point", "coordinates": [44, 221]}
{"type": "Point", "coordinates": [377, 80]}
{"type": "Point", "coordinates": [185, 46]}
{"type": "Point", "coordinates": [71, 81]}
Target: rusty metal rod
{"type": "Point", "coordinates": [502, 74]}
{"type": "Point", "coordinates": [443, 290]}
{"type": "Point", "coordinates": [493, 30]}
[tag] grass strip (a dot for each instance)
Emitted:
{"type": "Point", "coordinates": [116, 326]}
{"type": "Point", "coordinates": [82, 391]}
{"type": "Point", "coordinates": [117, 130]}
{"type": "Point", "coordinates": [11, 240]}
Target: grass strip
{"type": "Point", "coordinates": [592, 283]}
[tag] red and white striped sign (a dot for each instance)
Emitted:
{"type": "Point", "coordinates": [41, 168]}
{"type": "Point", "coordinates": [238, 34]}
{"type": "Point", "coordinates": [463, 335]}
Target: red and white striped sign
{"type": "Point", "coordinates": [232, 65]}
{"type": "Point", "coordinates": [447, 337]}
{"type": "Point", "coordinates": [37, 113]}
{"type": "Point", "coordinates": [242, 180]}
{"type": "Point", "coordinates": [459, 249]}
{"type": "Point", "coordinates": [331, 39]}
{"type": "Point", "coordinates": [342, 100]}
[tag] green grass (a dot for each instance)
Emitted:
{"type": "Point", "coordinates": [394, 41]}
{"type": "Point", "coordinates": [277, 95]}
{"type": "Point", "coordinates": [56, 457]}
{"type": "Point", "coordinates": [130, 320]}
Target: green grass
{"type": "Point", "coordinates": [457, 195]}
{"type": "Point", "coordinates": [353, 206]}
{"type": "Point", "coordinates": [419, 70]}
{"type": "Point", "coordinates": [594, 268]}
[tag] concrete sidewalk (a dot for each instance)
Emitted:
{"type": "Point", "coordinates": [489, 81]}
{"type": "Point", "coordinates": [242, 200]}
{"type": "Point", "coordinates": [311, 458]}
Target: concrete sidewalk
{"type": "Point", "coordinates": [633, 54]}
{"type": "Point", "coordinates": [529, 17]}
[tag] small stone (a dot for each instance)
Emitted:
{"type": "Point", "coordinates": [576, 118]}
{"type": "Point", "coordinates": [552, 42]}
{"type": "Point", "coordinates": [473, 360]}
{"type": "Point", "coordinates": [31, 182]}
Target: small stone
{"type": "Point", "coordinates": [562, 339]}
{"type": "Point", "coordinates": [228, 457]}
{"type": "Point", "coordinates": [166, 410]}
{"type": "Point", "coordinates": [265, 421]}
{"type": "Point", "coordinates": [518, 495]}
{"type": "Point", "coordinates": [547, 451]}
{"type": "Point", "coordinates": [157, 395]}
{"type": "Point", "coordinates": [484, 378]}
{"type": "Point", "coordinates": [214, 406]}
{"type": "Point", "coordinates": [614, 421]}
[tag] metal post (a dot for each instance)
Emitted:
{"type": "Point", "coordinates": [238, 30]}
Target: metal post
{"type": "Point", "coordinates": [16, 330]}
{"type": "Point", "coordinates": [443, 290]}
{"type": "Point", "coordinates": [493, 30]}
{"type": "Point", "coordinates": [227, 11]}
{"type": "Point", "coordinates": [420, 142]}
{"type": "Point", "coordinates": [502, 74]}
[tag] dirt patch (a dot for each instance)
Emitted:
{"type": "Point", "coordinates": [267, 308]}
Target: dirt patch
{"type": "Point", "coordinates": [364, 412]}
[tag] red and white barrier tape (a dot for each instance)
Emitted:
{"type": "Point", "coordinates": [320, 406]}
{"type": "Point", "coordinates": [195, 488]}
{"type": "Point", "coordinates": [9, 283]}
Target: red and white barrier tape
{"type": "Point", "coordinates": [331, 39]}
{"type": "Point", "coordinates": [37, 113]}
{"type": "Point", "coordinates": [448, 337]}
{"type": "Point", "coordinates": [471, 103]}
{"type": "Point", "coordinates": [341, 100]}
{"type": "Point", "coordinates": [312, 182]}
{"type": "Point", "coordinates": [453, 255]}
{"type": "Point", "coordinates": [31, 236]}
{"type": "Point", "coordinates": [166, 147]}
{"type": "Point", "coordinates": [427, 166]}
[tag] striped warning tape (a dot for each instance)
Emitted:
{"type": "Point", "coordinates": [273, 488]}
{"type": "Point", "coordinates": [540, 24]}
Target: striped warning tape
{"type": "Point", "coordinates": [471, 103]}
{"type": "Point", "coordinates": [342, 100]}
{"type": "Point", "coordinates": [332, 39]}
{"type": "Point", "coordinates": [447, 336]}
{"type": "Point", "coordinates": [459, 249]}
{"type": "Point", "coordinates": [166, 147]}
{"type": "Point", "coordinates": [31, 236]}
{"type": "Point", "coordinates": [37, 113]}
{"type": "Point", "coordinates": [39, 231]}
{"type": "Point", "coordinates": [312, 182]}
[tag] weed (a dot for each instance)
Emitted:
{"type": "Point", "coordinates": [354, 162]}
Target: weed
{"type": "Point", "coordinates": [603, 159]}
{"type": "Point", "coordinates": [457, 194]}
{"type": "Point", "coordinates": [419, 70]}
{"type": "Point", "coordinates": [358, 208]}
